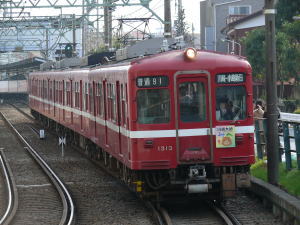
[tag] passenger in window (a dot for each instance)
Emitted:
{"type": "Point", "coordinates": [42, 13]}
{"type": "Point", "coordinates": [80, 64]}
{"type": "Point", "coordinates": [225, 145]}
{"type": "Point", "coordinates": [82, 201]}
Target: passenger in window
{"type": "Point", "coordinates": [225, 111]}
{"type": "Point", "coordinates": [185, 98]}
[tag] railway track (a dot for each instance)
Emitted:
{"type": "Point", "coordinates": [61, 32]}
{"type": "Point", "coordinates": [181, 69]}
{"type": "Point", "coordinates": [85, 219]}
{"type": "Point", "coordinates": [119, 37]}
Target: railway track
{"type": "Point", "coordinates": [67, 217]}
{"type": "Point", "coordinates": [193, 213]}
{"type": "Point", "coordinates": [93, 190]}
{"type": "Point", "coordinates": [198, 213]}
{"type": "Point", "coordinates": [11, 193]}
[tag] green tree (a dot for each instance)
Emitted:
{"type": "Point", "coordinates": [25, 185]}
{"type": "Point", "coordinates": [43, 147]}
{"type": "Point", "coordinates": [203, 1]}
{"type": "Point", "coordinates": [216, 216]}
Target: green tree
{"type": "Point", "coordinates": [293, 31]}
{"type": "Point", "coordinates": [181, 27]}
{"type": "Point", "coordinates": [254, 43]}
{"type": "Point", "coordinates": [286, 9]}
{"type": "Point", "coordinates": [287, 54]}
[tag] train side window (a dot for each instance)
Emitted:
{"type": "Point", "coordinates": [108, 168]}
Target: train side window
{"type": "Point", "coordinates": [46, 89]}
{"type": "Point", "coordinates": [91, 97]}
{"type": "Point", "coordinates": [112, 101]}
{"type": "Point", "coordinates": [123, 104]}
{"type": "Point", "coordinates": [101, 100]}
{"type": "Point", "coordinates": [57, 91]}
{"type": "Point", "coordinates": [231, 103]}
{"type": "Point", "coordinates": [153, 106]}
{"type": "Point", "coordinates": [76, 95]}
{"type": "Point", "coordinates": [192, 101]}
{"type": "Point", "coordinates": [61, 92]}
{"type": "Point", "coordinates": [50, 90]}
{"type": "Point", "coordinates": [98, 99]}
{"type": "Point", "coordinates": [108, 101]}
{"type": "Point", "coordinates": [67, 91]}
{"type": "Point", "coordinates": [85, 97]}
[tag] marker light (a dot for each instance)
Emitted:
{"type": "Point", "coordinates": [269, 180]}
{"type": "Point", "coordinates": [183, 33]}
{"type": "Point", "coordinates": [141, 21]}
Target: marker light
{"type": "Point", "coordinates": [190, 53]}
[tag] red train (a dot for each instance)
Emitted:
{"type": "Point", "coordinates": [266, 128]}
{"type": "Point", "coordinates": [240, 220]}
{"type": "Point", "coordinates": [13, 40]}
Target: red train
{"type": "Point", "coordinates": [175, 122]}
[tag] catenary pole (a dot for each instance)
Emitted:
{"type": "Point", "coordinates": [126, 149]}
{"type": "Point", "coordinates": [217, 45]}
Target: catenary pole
{"type": "Point", "coordinates": [271, 78]}
{"type": "Point", "coordinates": [168, 24]}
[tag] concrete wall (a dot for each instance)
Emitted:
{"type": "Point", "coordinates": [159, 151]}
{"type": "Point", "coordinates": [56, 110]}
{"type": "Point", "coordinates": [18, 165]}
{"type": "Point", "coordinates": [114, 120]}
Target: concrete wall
{"type": "Point", "coordinates": [221, 8]}
{"type": "Point", "coordinates": [13, 86]}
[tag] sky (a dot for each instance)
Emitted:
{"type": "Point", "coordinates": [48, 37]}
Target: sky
{"type": "Point", "coordinates": [191, 7]}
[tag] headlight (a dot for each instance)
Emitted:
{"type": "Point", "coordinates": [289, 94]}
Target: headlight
{"type": "Point", "coordinates": [190, 53]}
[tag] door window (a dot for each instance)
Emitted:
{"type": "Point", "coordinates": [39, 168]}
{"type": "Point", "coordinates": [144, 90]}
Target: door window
{"type": "Point", "coordinates": [192, 102]}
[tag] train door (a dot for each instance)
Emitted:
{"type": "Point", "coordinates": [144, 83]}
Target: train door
{"type": "Point", "coordinates": [193, 117]}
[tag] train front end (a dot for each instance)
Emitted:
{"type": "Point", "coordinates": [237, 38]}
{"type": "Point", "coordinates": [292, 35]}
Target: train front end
{"type": "Point", "coordinates": [192, 127]}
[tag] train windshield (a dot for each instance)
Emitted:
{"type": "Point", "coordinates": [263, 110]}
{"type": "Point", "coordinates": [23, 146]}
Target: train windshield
{"type": "Point", "coordinates": [231, 103]}
{"type": "Point", "coordinates": [153, 106]}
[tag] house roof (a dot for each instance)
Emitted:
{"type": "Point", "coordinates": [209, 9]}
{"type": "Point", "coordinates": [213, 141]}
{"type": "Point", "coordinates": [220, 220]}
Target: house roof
{"type": "Point", "coordinates": [232, 25]}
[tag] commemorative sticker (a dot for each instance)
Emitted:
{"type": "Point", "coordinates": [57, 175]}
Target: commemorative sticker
{"type": "Point", "coordinates": [225, 136]}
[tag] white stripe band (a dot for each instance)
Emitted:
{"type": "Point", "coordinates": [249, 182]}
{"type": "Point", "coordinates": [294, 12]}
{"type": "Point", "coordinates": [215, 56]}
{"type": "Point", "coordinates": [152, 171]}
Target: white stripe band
{"type": "Point", "coordinates": [152, 134]}
{"type": "Point", "coordinates": [146, 133]}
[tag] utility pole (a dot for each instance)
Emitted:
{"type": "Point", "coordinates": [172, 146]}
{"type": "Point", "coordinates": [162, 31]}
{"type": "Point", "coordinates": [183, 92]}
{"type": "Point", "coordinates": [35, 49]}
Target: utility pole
{"type": "Point", "coordinates": [74, 33]}
{"type": "Point", "coordinates": [47, 43]}
{"type": "Point", "coordinates": [271, 78]}
{"type": "Point", "coordinates": [168, 24]}
{"type": "Point", "coordinates": [83, 29]}
{"type": "Point", "coordinates": [107, 24]}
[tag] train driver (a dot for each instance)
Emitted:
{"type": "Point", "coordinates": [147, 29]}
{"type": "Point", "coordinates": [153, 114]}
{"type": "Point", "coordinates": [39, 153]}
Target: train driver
{"type": "Point", "coordinates": [225, 111]}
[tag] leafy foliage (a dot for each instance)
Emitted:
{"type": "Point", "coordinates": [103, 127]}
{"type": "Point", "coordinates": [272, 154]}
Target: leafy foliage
{"type": "Point", "coordinates": [287, 51]}
{"type": "Point", "coordinates": [293, 29]}
{"type": "Point", "coordinates": [286, 9]}
{"type": "Point", "coordinates": [254, 43]}
{"type": "Point", "coordinates": [181, 27]}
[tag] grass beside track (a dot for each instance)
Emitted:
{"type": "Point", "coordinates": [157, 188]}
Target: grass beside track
{"type": "Point", "coordinates": [288, 180]}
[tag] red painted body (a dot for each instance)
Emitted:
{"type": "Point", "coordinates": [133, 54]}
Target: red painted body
{"type": "Point", "coordinates": [106, 113]}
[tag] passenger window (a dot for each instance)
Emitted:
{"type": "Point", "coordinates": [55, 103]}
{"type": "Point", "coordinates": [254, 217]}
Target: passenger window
{"type": "Point", "coordinates": [153, 106]}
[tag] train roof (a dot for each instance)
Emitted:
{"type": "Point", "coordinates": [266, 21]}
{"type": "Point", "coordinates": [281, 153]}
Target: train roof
{"type": "Point", "coordinates": [204, 60]}
{"type": "Point", "coordinates": [167, 61]}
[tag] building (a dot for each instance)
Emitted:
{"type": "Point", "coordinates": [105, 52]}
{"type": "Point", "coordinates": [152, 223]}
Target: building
{"type": "Point", "coordinates": [216, 14]}
{"type": "Point", "coordinates": [237, 29]}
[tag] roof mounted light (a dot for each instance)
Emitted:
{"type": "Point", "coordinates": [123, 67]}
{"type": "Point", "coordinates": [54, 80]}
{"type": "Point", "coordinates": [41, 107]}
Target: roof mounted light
{"type": "Point", "coordinates": [190, 53]}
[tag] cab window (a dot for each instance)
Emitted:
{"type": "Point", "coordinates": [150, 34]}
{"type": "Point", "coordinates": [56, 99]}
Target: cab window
{"type": "Point", "coordinates": [153, 106]}
{"type": "Point", "coordinates": [231, 103]}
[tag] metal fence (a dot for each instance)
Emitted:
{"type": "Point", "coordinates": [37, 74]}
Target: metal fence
{"type": "Point", "coordinates": [289, 138]}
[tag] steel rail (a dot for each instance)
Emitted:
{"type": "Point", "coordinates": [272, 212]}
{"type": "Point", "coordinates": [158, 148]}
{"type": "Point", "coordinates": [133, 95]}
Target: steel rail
{"type": "Point", "coordinates": [21, 111]}
{"type": "Point", "coordinates": [68, 217]}
{"type": "Point", "coordinates": [11, 189]}
{"type": "Point", "coordinates": [227, 217]}
{"type": "Point", "coordinates": [155, 212]}
{"type": "Point", "coordinates": [165, 216]}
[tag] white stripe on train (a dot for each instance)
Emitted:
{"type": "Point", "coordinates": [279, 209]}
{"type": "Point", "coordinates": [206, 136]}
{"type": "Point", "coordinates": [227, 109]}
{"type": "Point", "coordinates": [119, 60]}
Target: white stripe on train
{"type": "Point", "coordinates": [146, 133]}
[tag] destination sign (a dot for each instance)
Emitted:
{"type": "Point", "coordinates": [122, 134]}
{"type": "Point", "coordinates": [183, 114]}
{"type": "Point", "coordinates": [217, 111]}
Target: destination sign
{"type": "Point", "coordinates": [230, 78]}
{"type": "Point", "coordinates": [152, 82]}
